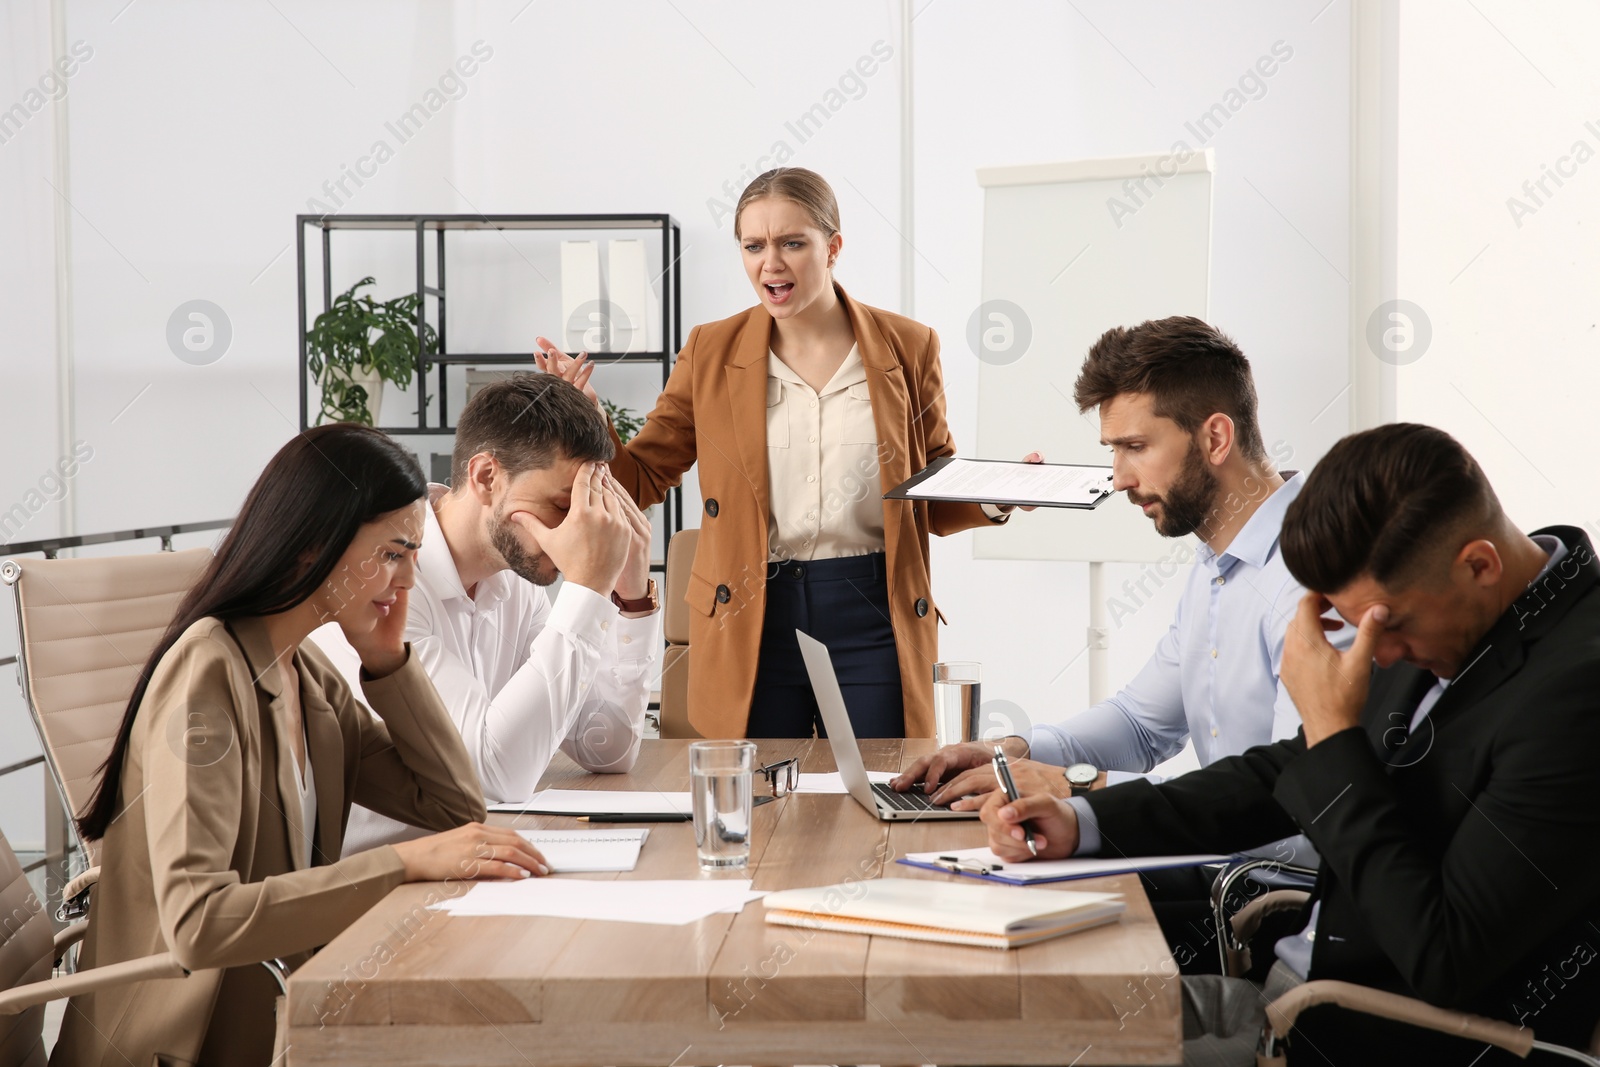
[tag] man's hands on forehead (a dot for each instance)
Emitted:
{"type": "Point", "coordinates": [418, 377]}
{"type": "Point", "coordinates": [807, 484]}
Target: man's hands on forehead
{"type": "Point", "coordinates": [603, 538]}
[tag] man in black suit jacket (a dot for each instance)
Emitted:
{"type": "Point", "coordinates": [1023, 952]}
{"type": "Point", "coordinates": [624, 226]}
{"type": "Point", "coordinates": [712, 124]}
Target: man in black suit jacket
{"type": "Point", "coordinates": [1448, 766]}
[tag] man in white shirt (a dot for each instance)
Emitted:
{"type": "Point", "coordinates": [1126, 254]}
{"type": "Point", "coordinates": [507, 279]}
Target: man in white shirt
{"type": "Point", "coordinates": [531, 499]}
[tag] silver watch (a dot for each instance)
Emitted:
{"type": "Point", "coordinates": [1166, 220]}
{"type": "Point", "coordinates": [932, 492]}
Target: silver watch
{"type": "Point", "coordinates": [1081, 778]}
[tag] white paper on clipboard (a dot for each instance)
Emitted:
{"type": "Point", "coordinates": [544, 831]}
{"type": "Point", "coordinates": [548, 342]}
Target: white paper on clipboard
{"type": "Point", "coordinates": [995, 482]}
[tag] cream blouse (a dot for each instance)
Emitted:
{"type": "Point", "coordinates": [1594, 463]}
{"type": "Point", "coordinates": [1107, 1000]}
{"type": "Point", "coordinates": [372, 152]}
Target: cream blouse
{"type": "Point", "coordinates": [822, 464]}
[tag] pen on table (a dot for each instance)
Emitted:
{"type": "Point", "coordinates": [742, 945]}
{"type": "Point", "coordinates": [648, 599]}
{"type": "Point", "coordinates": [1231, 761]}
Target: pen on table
{"type": "Point", "coordinates": [1002, 771]}
{"type": "Point", "coordinates": [957, 865]}
{"type": "Point", "coordinates": [622, 816]}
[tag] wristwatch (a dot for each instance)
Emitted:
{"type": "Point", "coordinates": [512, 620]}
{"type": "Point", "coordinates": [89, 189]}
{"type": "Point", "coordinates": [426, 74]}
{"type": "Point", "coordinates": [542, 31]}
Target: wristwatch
{"type": "Point", "coordinates": [1081, 778]}
{"type": "Point", "coordinates": [648, 602]}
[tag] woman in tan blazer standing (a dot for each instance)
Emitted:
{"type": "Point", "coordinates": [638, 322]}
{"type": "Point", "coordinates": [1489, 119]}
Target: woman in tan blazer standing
{"type": "Point", "coordinates": [221, 807]}
{"type": "Point", "coordinates": [801, 412]}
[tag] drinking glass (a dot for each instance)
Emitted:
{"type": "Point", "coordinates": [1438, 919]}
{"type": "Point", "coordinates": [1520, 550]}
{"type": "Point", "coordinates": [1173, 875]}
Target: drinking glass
{"type": "Point", "coordinates": [957, 696]}
{"type": "Point", "coordinates": [720, 774]}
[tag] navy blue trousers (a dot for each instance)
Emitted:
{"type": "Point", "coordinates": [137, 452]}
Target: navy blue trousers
{"type": "Point", "coordinates": [844, 603]}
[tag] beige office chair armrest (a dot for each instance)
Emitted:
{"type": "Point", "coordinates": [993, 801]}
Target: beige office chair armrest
{"type": "Point", "coordinates": [163, 965]}
{"type": "Point", "coordinates": [69, 936]}
{"type": "Point", "coordinates": [1282, 1013]}
{"type": "Point", "coordinates": [75, 896]}
{"type": "Point", "coordinates": [1248, 919]}
{"type": "Point", "coordinates": [81, 884]}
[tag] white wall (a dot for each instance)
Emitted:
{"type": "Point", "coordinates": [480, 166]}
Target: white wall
{"type": "Point", "coordinates": [1489, 99]}
{"type": "Point", "coordinates": [199, 130]}
{"type": "Point", "coordinates": [1021, 83]}
{"type": "Point", "coordinates": [28, 428]}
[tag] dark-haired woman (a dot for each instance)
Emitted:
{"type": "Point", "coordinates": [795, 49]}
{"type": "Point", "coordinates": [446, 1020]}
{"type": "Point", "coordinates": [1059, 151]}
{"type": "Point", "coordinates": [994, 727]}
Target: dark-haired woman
{"type": "Point", "coordinates": [221, 807]}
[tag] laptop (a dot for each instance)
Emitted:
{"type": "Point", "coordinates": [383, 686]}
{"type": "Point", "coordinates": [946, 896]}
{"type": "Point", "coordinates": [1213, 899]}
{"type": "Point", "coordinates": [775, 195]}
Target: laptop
{"type": "Point", "coordinates": [876, 797]}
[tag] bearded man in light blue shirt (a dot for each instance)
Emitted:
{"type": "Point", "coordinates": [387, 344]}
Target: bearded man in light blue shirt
{"type": "Point", "coordinates": [1177, 406]}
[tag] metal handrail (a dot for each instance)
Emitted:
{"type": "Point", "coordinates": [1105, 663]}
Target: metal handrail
{"type": "Point", "coordinates": [21, 765]}
{"type": "Point", "coordinates": [51, 545]}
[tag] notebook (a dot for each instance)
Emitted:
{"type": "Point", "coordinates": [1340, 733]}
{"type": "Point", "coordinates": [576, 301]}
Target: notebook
{"type": "Point", "coordinates": [981, 863]}
{"type": "Point", "coordinates": [954, 912]}
{"type": "Point", "coordinates": [587, 851]}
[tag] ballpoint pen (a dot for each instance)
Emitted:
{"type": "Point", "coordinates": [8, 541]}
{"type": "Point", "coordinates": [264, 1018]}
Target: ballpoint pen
{"type": "Point", "coordinates": [957, 865]}
{"type": "Point", "coordinates": [1002, 771]}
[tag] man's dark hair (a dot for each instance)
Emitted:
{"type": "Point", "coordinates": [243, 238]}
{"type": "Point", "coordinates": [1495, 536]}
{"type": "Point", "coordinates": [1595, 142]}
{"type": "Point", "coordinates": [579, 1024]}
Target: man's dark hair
{"type": "Point", "coordinates": [1384, 502]}
{"type": "Point", "coordinates": [527, 422]}
{"type": "Point", "coordinates": [1190, 369]}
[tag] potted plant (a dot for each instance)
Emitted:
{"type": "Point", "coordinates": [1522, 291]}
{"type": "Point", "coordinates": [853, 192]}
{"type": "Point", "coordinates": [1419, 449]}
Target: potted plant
{"type": "Point", "coordinates": [626, 421]}
{"type": "Point", "coordinates": [358, 344]}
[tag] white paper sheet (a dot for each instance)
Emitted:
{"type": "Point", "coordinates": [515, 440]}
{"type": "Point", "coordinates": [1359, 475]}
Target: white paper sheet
{"type": "Point", "coordinates": [596, 801]}
{"type": "Point", "coordinates": [663, 902]}
{"type": "Point", "coordinates": [1014, 483]}
{"type": "Point", "coordinates": [831, 782]}
{"type": "Point", "coordinates": [588, 851]}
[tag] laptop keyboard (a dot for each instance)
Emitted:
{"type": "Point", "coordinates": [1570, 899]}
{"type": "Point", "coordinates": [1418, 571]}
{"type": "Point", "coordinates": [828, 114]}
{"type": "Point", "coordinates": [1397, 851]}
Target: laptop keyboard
{"type": "Point", "coordinates": [915, 800]}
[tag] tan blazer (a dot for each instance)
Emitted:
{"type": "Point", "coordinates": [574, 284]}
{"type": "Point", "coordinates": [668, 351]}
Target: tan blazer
{"type": "Point", "coordinates": [199, 859]}
{"type": "Point", "coordinates": [713, 412]}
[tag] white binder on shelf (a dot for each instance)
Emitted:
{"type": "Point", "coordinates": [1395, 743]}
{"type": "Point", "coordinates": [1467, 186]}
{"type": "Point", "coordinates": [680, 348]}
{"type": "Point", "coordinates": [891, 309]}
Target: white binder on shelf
{"type": "Point", "coordinates": [628, 285]}
{"type": "Point", "coordinates": [580, 297]}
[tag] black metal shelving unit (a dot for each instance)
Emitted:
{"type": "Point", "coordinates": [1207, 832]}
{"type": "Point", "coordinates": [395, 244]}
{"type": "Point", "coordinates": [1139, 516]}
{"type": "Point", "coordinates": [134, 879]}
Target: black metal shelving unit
{"type": "Point", "coordinates": [671, 306]}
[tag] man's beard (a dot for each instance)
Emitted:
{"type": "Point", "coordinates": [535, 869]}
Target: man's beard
{"type": "Point", "coordinates": [530, 566]}
{"type": "Point", "coordinates": [1188, 502]}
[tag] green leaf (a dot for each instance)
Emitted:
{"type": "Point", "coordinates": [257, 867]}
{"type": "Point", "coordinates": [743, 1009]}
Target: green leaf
{"type": "Point", "coordinates": [358, 332]}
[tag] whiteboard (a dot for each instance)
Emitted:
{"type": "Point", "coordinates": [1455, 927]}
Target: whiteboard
{"type": "Point", "coordinates": [1062, 264]}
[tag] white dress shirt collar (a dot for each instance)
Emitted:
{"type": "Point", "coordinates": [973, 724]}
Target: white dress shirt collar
{"type": "Point", "coordinates": [436, 565]}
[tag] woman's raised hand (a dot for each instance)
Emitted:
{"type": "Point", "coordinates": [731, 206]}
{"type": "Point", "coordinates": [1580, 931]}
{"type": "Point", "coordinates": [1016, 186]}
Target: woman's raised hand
{"type": "Point", "coordinates": [575, 369]}
{"type": "Point", "coordinates": [382, 648]}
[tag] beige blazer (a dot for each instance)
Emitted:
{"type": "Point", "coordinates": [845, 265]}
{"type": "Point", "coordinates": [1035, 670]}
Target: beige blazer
{"type": "Point", "coordinates": [199, 859]}
{"type": "Point", "coordinates": [713, 412]}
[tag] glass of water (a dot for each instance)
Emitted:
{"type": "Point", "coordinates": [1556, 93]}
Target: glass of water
{"type": "Point", "coordinates": [720, 774]}
{"type": "Point", "coordinates": [957, 696]}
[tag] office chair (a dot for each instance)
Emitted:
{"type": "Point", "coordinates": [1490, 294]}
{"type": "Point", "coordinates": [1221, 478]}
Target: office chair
{"type": "Point", "coordinates": [675, 624]}
{"type": "Point", "coordinates": [85, 628]}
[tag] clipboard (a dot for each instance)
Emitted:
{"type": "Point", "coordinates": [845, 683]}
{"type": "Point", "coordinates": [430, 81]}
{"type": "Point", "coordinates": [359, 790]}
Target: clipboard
{"type": "Point", "coordinates": [910, 489]}
{"type": "Point", "coordinates": [968, 866]}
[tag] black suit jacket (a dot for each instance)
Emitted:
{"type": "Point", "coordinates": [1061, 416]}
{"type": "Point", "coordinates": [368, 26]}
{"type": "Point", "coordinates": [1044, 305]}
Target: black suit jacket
{"type": "Point", "coordinates": [1460, 863]}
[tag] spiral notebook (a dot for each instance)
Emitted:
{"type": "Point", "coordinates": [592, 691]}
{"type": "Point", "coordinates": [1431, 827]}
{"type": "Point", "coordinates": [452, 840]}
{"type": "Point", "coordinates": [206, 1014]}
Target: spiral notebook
{"type": "Point", "coordinates": [588, 851]}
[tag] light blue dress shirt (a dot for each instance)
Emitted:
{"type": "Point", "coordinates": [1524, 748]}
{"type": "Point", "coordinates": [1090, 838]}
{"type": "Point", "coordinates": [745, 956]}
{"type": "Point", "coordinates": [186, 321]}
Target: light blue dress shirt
{"type": "Point", "coordinates": [1214, 676]}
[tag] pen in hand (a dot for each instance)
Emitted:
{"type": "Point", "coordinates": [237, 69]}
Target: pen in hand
{"type": "Point", "coordinates": [1002, 771]}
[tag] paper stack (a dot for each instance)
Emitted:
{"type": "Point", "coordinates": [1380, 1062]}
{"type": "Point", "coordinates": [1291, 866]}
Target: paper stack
{"type": "Point", "coordinates": [961, 914]}
{"type": "Point", "coordinates": [671, 903]}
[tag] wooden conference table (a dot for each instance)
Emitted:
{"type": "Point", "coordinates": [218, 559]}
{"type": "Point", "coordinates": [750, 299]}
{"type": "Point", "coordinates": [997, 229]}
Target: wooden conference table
{"type": "Point", "coordinates": [405, 985]}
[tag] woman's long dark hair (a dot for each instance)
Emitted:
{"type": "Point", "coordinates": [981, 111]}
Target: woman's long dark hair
{"type": "Point", "coordinates": [314, 495]}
